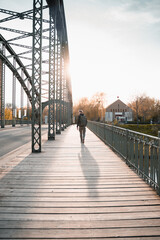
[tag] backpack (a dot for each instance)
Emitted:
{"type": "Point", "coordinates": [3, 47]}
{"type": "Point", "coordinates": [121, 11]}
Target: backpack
{"type": "Point", "coordinates": [83, 121]}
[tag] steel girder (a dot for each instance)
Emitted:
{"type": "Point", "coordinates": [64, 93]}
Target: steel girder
{"type": "Point", "coordinates": [21, 15]}
{"type": "Point", "coordinates": [58, 88]}
{"type": "Point", "coordinates": [52, 56]}
{"type": "Point", "coordinates": [22, 96]}
{"type": "Point", "coordinates": [14, 95]}
{"type": "Point", "coordinates": [10, 65]}
{"type": "Point", "coordinates": [2, 88]}
{"type": "Point", "coordinates": [36, 75]}
{"type": "Point", "coordinates": [63, 84]}
{"type": "Point", "coordinates": [12, 68]}
{"type": "Point", "coordinates": [60, 94]}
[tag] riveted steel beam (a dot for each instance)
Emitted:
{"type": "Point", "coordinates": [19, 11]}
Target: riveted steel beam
{"type": "Point", "coordinates": [2, 88]}
{"type": "Point", "coordinates": [36, 75]}
{"type": "Point", "coordinates": [52, 55]}
{"type": "Point", "coordinates": [14, 114]}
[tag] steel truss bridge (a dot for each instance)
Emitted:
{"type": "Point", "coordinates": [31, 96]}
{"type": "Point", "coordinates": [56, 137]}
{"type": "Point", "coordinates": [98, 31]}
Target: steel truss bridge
{"type": "Point", "coordinates": [38, 60]}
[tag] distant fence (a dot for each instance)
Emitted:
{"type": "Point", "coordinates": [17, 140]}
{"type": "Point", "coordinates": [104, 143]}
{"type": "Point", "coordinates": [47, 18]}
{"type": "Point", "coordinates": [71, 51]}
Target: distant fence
{"type": "Point", "coordinates": [140, 151]}
{"type": "Point", "coordinates": [18, 121]}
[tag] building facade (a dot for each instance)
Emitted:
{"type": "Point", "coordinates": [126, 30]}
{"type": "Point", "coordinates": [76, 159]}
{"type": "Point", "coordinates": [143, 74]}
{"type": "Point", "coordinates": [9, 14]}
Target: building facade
{"type": "Point", "coordinates": [119, 111]}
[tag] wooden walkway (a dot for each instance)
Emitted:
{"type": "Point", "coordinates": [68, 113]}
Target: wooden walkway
{"type": "Point", "coordinates": [75, 191]}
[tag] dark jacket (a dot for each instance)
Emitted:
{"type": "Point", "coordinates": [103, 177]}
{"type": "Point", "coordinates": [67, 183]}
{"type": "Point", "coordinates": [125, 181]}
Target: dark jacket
{"type": "Point", "coordinates": [79, 121]}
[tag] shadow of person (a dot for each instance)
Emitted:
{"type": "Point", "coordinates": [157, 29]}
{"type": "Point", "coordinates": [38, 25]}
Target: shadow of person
{"type": "Point", "coordinates": [90, 170]}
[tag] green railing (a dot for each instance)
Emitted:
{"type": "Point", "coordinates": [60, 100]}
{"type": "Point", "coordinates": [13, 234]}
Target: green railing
{"type": "Point", "coordinates": [140, 151]}
{"type": "Point", "coordinates": [17, 121]}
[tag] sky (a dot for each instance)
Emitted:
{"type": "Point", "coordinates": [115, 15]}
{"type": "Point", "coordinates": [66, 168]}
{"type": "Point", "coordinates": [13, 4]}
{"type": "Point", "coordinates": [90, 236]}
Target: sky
{"type": "Point", "coordinates": [114, 46]}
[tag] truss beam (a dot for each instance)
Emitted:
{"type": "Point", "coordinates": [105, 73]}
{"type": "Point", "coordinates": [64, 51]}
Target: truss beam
{"type": "Point", "coordinates": [21, 15]}
{"type": "Point", "coordinates": [2, 88]}
{"type": "Point", "coordinates": [14, 96]}
{"type": "Point", "coordinates": [52, 55]}
{"type": "Point", "coordinates": [36, 75]}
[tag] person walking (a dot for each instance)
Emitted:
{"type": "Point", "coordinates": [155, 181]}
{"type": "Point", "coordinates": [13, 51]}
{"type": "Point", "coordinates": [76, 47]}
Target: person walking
{"type": "Point", "coordinates": [81, 124]}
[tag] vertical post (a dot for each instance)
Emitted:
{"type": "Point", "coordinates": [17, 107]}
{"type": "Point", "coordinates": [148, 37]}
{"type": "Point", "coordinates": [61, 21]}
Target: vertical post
{"type": "Point", "coordinates": [22, 97]}
{"type": "Point", "coordinates": [2, 89]}
{"type": "Point", "coordinates": [58, 89]}
{"type": "Point", "coordinates": [14, 112]}
{"type": "Point", "coordinates": [51, 117]}
{"type": "Point", "coordinates": [158, 163]}
{"type": "Point", "coordinates": [28, 112]}
{"type": "Point", "coordinates": [36, 75]}
{"type": "Point", "coordinates": [65, 93]}
{"type": "Point", "coordinates": [62, 88]}
{"type": "Point", "coordinates": [126, 146]}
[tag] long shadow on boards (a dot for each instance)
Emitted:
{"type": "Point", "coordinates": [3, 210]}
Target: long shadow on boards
{"type": "Point", "coordinates": [90, 170]}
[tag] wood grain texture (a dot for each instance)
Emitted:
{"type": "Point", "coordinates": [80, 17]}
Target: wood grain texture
{"type": "Point", "coordinates": [75, 191]}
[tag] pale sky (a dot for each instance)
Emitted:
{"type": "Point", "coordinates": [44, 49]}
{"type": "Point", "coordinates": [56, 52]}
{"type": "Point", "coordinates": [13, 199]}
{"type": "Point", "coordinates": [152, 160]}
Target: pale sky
{"type": "Point", "coordinates": [114, 46]}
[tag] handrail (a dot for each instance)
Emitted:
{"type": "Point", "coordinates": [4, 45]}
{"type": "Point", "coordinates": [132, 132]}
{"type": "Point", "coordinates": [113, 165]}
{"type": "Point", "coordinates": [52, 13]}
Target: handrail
{"type": "Point", "coordinates": [140, 151]}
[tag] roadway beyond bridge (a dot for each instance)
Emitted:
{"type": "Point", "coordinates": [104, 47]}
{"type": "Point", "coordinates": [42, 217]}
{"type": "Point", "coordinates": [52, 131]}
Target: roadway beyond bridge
{"type": "Point", "coordinates": [75, 191]}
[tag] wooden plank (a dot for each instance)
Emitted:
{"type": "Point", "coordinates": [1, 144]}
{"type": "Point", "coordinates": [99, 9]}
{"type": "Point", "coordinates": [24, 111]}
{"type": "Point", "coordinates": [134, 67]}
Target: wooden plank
{"type": "Point", "coordinates": [92, 192]}
{"type": "Point", "coordinates": [80, 199]}
{"type": "Point", "coordinates": [80, 217]}
{"type": "Point", "coordinates": [84, 233]}
{"type": "Point", "coordinates": [76, 190]}
{"type": "Point", "coordinates": [44, 204]}
{"type": "Point", "coordinates": [79, 210]}
{"type": "Point", "coordinates": [128, 238]}
{"type": "Point", "coordinates": [79, 224]}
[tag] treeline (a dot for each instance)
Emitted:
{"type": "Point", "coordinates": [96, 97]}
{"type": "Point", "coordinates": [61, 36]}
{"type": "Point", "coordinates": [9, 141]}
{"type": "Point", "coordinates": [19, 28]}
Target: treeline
{"type": "Point", "coordinates": [8, 112]}
{"type": "Point", "coordinates": [145, 109]}
{"type": "Point", "coordinates": [94, 108]}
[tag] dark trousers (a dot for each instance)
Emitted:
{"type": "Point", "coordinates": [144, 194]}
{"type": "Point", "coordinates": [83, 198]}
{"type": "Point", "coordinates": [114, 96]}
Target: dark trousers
{"type": "Point", "coordinates": [82, 131]}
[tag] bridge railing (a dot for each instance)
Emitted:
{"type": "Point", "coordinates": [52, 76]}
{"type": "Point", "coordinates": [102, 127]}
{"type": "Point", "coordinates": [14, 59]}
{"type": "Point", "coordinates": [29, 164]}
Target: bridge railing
{"type": "Point", "coordinates": [17, 121]}
{"type": "Point", "coordinates": [140, 151]}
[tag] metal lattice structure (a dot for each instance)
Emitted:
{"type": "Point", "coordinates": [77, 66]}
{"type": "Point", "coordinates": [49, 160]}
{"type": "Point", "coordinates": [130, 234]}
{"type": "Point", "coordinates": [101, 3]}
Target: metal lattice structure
{"type": "Point", "coordinates": [36, 75]}
{"type": "Point", "coordinates": [52, 56]}
{"type": "Point", "coordinates": [2, 88]}
{"type": "Point", "coordinates": [40, 69]}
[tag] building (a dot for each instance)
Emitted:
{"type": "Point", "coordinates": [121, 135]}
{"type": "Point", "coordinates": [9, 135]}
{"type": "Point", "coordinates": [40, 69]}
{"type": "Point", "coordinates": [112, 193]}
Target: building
{"type": "Point", "coordinates": [120, 111]}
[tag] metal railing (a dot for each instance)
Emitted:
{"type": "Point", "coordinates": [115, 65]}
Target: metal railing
{"type": "Point", "coordinates": [17, 121]}
{"type": "Point", "coordinates": [140, 151]}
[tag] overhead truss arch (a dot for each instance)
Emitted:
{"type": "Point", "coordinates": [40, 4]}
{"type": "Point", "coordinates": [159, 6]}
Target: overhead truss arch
{"type": "Point", "coordinates": [58, 94]}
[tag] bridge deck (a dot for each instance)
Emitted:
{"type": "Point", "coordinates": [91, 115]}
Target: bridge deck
{"type": "Point", "coordinates": [74, 191]}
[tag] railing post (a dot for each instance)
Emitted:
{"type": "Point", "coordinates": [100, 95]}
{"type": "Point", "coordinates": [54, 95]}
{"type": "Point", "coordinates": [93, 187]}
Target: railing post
{"type": "Point", "coordinates": [158, 163]}
{"type": "Point", "coordinates": [127, 146]}
{"type": "Point", "coordinates": [112, 137]}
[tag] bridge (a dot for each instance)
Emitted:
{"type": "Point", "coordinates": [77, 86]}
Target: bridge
{"type": "Point", "coordinates": [51, 185]}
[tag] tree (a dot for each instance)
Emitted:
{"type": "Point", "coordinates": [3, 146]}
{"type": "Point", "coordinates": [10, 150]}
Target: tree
{"type": "Point", "coordinates": [156, 114]}
{"type": "Point", "coordinates": [94, 108]}
{"type": "Point", "coordinates": [144, 108]}
{"type": "Point", "coordinates": [8, 111]}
